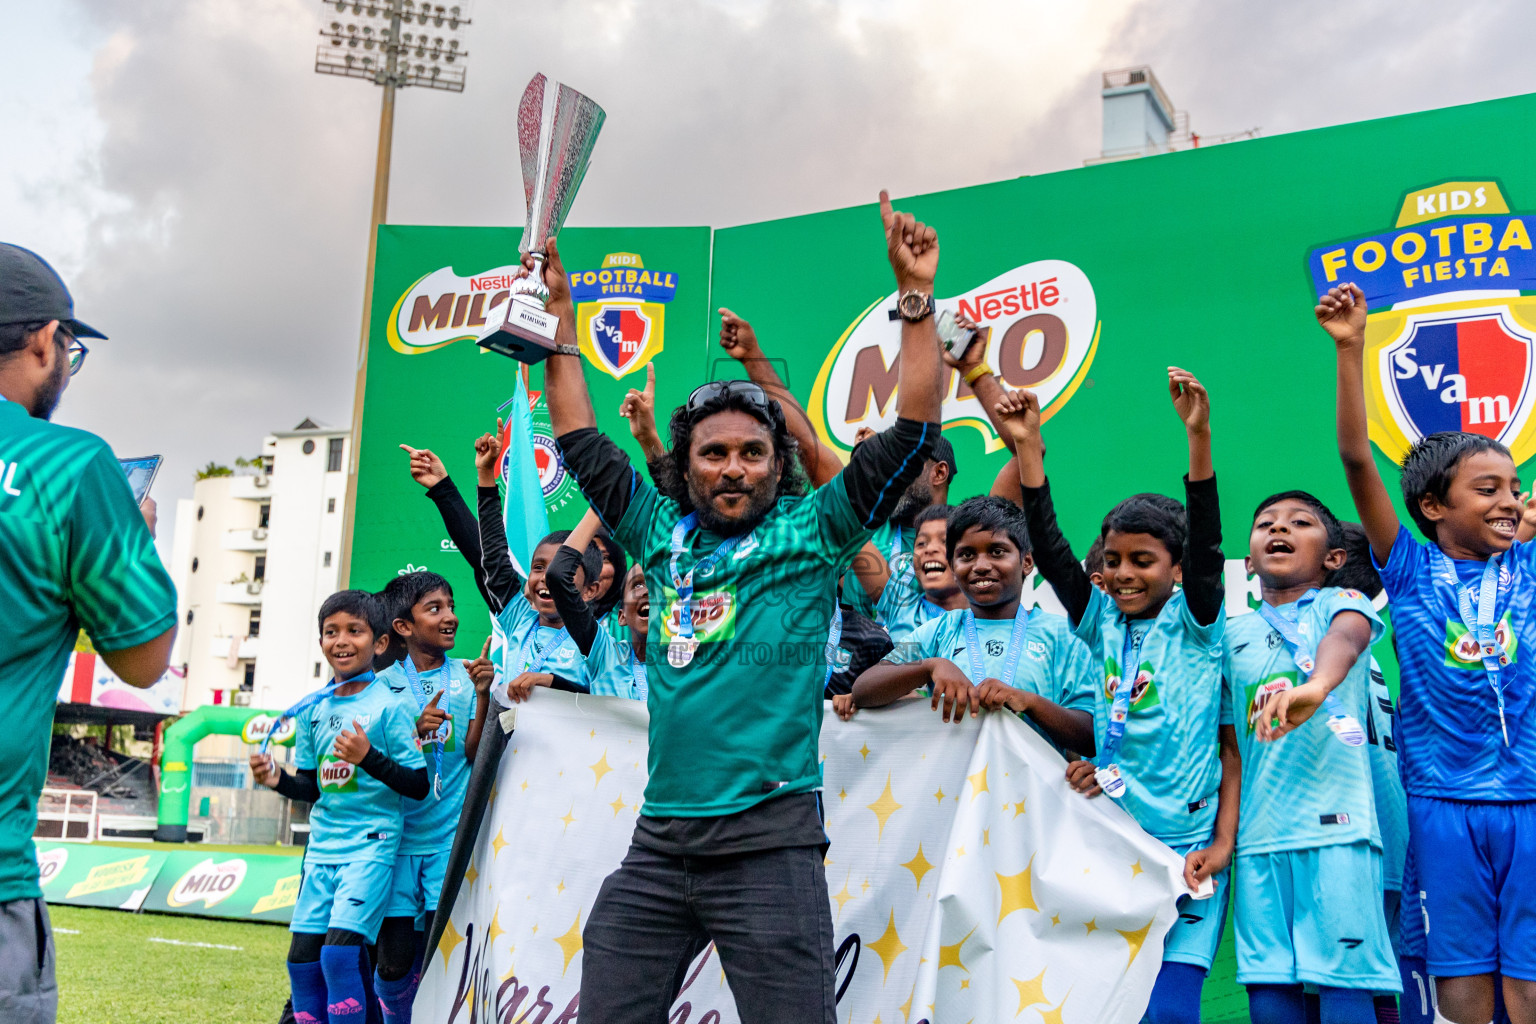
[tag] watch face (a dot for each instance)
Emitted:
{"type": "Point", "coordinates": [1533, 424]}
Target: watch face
{"type": "Point", "coordinates": [913, 304]}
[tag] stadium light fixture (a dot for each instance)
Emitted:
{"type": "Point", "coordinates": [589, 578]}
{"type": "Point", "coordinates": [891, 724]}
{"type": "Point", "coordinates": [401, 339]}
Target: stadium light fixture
{"type": "Point", "coordinates": [394, 44]}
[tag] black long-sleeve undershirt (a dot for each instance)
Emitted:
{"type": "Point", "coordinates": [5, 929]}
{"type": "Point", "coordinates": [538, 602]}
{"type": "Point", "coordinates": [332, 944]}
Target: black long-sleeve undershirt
{"type": "Point", "coordinates": [577, 618]}
{"type": "Point", "coordinates": [304, 786]}
{"type": "Point", "coordinates": [1204, 563]}
{"type": "Point", "coordinates": [412, 782]}
{"type": "Point", "coordinates": [463, 527]}
{"type": "Point", "coordinates": [502, 582]}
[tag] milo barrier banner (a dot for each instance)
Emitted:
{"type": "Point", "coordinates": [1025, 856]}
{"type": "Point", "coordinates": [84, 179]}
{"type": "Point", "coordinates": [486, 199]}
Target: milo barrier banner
{"type": "Point", "coordinates": [200, 881]}
{"type": "Point", "coordinates": [967, 881]}
{"type": "Point", "coordinates": [1093, 282]}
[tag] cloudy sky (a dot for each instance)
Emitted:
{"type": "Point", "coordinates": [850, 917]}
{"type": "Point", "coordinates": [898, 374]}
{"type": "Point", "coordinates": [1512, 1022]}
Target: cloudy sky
{"type": "Point", "coordinates": [206, 194]}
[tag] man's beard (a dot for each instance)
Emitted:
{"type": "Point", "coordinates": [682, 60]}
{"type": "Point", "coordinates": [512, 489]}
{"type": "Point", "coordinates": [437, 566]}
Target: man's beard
{"type": "Point", "coordinates": [47, 398]}
{"type": "Point", "coordinates": [913, 500]}
{"type": "Point", "coordinates": [759, 502]}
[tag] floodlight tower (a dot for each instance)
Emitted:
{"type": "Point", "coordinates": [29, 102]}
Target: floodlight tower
{"type": "Point", "coordinates": [393, 43]}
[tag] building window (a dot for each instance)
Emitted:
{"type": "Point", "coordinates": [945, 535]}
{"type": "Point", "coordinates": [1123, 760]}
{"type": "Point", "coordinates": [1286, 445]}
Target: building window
{"type": "Point", "coordinates": [330, 504]}
{"type": "Point", "coordinates": [249, 683]}
{"type": "Point", "coordinates": [327, 561]}
{"type": "Point", "coordinates": [266, 516]}
{"type": "Point", "coordinates": [260, 572]}
{"type": "Point", "coordinates": [317, 670]}
{"type": "Point", "coordinates": [194, 565]}
{"type": "Point", "coordinates": [333, 456]}
{"type": "Point", "coordinates": [199, 513]}
{"type": "Point", "coordinates": [254, 628]}
{"type": "Point", "coordinates": [308, 447]}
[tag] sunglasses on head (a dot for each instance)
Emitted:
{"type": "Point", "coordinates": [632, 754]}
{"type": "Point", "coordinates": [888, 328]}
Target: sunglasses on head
{"type": "Point", "coordinates": [706, 396]}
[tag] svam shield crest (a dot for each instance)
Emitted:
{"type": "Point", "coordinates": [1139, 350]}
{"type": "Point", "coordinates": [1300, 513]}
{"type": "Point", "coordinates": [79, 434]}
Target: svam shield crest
{"type": "Point", "coordinates": [619, 336]}
{"type": "Point", "coordinates": [1465, 370]}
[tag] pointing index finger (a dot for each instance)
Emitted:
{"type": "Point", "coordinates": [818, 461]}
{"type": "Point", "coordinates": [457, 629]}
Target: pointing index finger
{"type": "Point", "coordinates": [412, 451]}
{"type": "Point", "coordinates": [435, 698]}
{"type": "Point", "coordinates": [886, 213]}
{"type": "Point", "coordinates": [486, 650]}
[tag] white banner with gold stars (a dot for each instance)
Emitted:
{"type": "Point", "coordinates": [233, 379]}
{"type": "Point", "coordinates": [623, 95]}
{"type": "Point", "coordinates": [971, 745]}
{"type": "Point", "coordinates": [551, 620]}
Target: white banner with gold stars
{"type": "Point", "coordinates": [968, 883]}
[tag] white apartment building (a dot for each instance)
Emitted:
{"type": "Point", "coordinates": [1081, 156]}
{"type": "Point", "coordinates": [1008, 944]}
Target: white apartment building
{"type": "Point", "coordinates": [254, 555]}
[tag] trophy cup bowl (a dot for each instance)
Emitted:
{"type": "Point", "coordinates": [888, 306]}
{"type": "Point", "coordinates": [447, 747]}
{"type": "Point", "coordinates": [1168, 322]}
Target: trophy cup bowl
{"type": "Point", "coordinates": [556, 130]}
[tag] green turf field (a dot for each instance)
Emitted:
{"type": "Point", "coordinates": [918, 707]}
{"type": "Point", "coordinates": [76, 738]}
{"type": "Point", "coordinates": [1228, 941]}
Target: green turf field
{"type": "Point", "coordinates": [115, 967]}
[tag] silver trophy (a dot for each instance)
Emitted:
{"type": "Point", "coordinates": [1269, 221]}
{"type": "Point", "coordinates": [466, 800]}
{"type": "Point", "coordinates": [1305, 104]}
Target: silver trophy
{"type": "Point", "coordinates": [556, 130]}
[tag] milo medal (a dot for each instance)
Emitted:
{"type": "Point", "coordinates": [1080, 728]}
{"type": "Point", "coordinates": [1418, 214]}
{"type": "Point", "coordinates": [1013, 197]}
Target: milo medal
{"type": "Point", "coordinates": [680, 651]}
{"type": "Point", "coordinates": [1110, 781]}
{"type": "Point", "coordinates": [1347, 729]}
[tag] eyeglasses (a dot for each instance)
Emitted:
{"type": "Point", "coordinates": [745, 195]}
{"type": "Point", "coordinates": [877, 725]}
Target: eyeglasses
{"type": "Point", "coordinates": [74, 350]}
{"type": "Point", "coordinates": [707, 396]}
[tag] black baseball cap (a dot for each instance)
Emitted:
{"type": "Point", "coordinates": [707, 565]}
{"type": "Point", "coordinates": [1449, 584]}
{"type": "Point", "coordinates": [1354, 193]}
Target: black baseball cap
{"type": "Point", "coordinates": [31, 292]}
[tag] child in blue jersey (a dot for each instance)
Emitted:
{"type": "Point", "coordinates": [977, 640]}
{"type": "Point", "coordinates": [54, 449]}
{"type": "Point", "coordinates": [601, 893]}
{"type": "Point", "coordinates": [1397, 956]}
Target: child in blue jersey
{"type": "Point", "coordinates": [610, 668]}
{"type": "Point", "coordinates": [993, 654]}
{"type": "Point", "coordinates": [1463, 608]}
{"type": "Point", "coordinates": [1308, 879]}
{"type": "Point", "coordinates": [356, 754]}
{"type": "Point", "coordinates": [910, 590]}
{"type": "Point", "coordinates": [539, 650]}
{"type": "Point", "coordinates": [449, 701]}
{"type": "Point", "coordinates": [1159, 747]}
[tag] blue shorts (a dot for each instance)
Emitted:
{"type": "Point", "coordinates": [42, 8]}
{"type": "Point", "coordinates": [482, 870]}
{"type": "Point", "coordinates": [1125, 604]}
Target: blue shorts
{"type": "Point", "coordinates": [350, 896]}
{"type": "Point", "coordinates": [1480, 897]}
{"type": "Point", "coordinates": [418, 883]}
{"type": "Point", "coordinates": [1410, 914]}
{"type": "Point", "coordinates": [1314, 917]}
{"type": "Point", "coordinates": [1196, 934]}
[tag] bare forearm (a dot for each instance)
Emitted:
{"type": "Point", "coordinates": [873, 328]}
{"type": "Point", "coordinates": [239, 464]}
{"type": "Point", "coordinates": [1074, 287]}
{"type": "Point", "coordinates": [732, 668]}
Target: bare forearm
{"type": "Point", "coordinates": [1230, 792]}
{"type": "Point", "coordinates": [922, 372]}
{"type": "Point", "coordinates": [821, 463]}
{"type": "Point", "coordinates": [1348, 637]}
{"type": "Point", "coordinates": [887, 683]}
{"type": "Point", "coordinates": [1030, 456]}
{"type": "Point", "coordinates": [1200, 466]}
{"type": "Point", "coordinates": [1377, 515]}
{"type": "Point", "coordinates": [989, 392]}
{"type": "Point", "coordinates": [472, 734]}
{"type": "Point", "coordinates": [1070, 729]}
{"type": "Point", "coordinates": [570, 405]}
{"type": "Point", "coordinates": [581, 537]}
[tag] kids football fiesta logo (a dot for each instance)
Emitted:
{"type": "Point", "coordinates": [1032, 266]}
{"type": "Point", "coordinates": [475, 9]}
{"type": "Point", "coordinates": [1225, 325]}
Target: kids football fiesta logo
{"type": "Point", "coordinates": [1045, 331]}
{"type": "Point", "coordinates": [1449, 336]}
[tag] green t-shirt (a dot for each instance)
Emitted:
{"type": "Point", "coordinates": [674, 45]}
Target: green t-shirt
{"type": "Point", "coordinates": [741, 722]}
{"type": "Point", "coordinates": [74, 552]}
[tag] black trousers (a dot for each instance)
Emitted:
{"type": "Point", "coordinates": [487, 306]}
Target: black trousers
{"type": "Point", "coordinates": [767, 913]}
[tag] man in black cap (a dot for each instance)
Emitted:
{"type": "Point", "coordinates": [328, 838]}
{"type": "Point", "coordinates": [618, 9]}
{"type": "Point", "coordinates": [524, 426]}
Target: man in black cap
{"type": "Point", "coordinates": [74, 552]}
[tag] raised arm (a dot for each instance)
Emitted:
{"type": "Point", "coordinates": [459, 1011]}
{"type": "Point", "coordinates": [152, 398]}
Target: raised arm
{"type": "Point", "coordinates": [1348, 637]}
{"type": "Point", "coordinates": [739, 340]}
{"type": "Point", "coordinates": [639, 408]}
{"type": "Point", "coordinates": [1341, 312]}
{"type": "Point", "coordinates": [1204, 563]}
{"type": "Point", "coordinates": [463, 528]}
{"type": "Point", "coordinates": [978, 376]}
{"type": "Point", "coordinates": [565, 386]}
{"type": "Point", "coordinates": [502, 583]}
{"type": "Point", "coordinates": [561, 580]}
{"type": "Point", "coordinates": [913, 248]}
{"type": "Point", "coordinates": [1020, 412]}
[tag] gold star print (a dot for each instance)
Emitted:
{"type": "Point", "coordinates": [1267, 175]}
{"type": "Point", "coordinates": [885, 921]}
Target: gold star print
{"type": "Point", "coordinates": [449, 942]}
{"type": "Point", "coordinates": [561, 886]}
{"type": "Point", "coordinates": [965, 983]}
{"type": "Point", "coordinates": [1018, 808]}
{"type": "Point", "coordinates": [949, 956]}
{"type": "Point", "coordinates": [864, 751]}
{"type": "Point", "coordinates": [842, 794]}
{"type": "Point", "coordinates": [570, 942]}
{"type": "Point", "coordinates": [569, 817]}
{"type": "Point", "coordinates": [986, 837]}
{"type": "Point", "coordinates": [1018, 891]}
{"type": "Point", "coordinates": [499, 843]}
{"type": "Point", "coordinates": [511, 967]}
{"type": "Point", "coordinates": [495, 929]}
{"type": "Point", "coordinates": [534, 930]}
{"type": "Point", "coordinates": [1092, 926]}
{"type": "Point", "coordinates": [470, 874]}
{"type": "Point", "coordinates": [906, 1007]}
{"type": "Point", "coordinates": [939, 796]}
{"type": "Point", "coordinates": [1053, 1015]}
{"type": "Point", "coordinates": [1136, 869]}
{"type": "Point", "coordinates": [844, 896]}
{"type": "Point", "coordinates": [1055, 920]}
{"type": "Point", "coordinates": [885, 806]}
{"type": "Point", "coordinates": [960, 851]}
{"type": "Point", "coordinates": [978, 782]}
{"type": "Point", "coordinates": [888, 946]}
{"type": "Point", "coordinates": [600, 768]}
{"type": "Point", "coordinates": [493, 793]}
{"type": "Point", "coordinates": [919, 866]}
{"type": "Point", "coordinates": [592, 734]}
{"type": "Point", "coordinates": [1031, 992]}
{"type": "Point", "coordinates": [617, 805]}
{"type": "Point", "coordinates": [1135, 939]}
{"type": "Point", "coordinates": [864, 885]}
{"type": "Point", "coordinates": [525, 785]}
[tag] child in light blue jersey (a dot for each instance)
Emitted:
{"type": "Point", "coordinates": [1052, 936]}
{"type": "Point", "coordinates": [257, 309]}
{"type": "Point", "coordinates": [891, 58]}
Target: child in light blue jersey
{"type": "Point", "coordinates": [449, 700]}
{"type": "Point", "coordinates": [539, 650]}
{"type": "Point", "coordinates": [610, 667]}
{"type": "Point", "coordinates": [909, 590]}
{"type": "Point", "coordinates": [1308, 879]}
{"type": "Point", "coordinates": [356, 754]}
{"type": "Point", "coordinates": [1463, 611]}
{"type": "Point", "coordinates": [1156, 713]}
{"type": "Point", "coordinates": [993, 654]}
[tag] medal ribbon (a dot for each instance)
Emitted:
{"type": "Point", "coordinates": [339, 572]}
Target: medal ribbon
{"type": "Point", "coordinates": [1483, 626]}
{"type": "Point", "coordinates": [1301, 647]}
{"type": "Point", "coordinates": [684, 584]}
{"type": "Point", "coordinates": [541, 654]}
{"type": "Point", "coordinates": [310, 701]}
{"type": "Point", "coordinates": [1015, 646]}
{"type": "Point", "coordinates": [833, 636]}
{"type": "Point", "coordinates": [1120, 707]}
{"type": "Point", "coordinates": [419, 692]}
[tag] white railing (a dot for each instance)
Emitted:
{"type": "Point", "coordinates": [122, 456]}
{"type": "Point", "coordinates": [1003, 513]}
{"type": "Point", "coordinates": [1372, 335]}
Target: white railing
{"type": "Point", "coordinates": [68, 815]}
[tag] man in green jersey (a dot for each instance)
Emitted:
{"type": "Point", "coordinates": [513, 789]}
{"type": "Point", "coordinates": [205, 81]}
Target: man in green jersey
{"type": "Point", "coordinates": [74, 552]}
{"type": "Point", "coordinates": [742, 567]}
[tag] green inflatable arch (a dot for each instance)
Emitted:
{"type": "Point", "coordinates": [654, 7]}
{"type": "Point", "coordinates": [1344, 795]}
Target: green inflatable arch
{"type": "Point", "coordinates": [176, 757]}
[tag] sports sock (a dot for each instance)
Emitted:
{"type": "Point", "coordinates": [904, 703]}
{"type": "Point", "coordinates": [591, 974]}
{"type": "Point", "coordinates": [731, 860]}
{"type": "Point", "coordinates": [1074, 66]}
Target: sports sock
{"type": "Point", "coordinates": [307, 983]}
{"type": "Point", "coordinates": [1417, 1004]}
{"type": "Point", "coordinates": [1346, 1005]}
{"type": "Point", "coordinates": [1176, 995]}
{"type": "Point", "coordinates": [395, 997]}
{"type": "Point", "coordinates": [1386, 1010]}
{"type": "Point", "coordinates": [1277, 1004]}
{"type": "Point", "coordinates": [346, 991]}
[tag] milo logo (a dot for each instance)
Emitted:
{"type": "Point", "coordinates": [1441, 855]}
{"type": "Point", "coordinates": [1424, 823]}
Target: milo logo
{"type": "Point", "coordinates": [1143, 689]}
{"type": "Point", "coordinates": [337, 776]}
{"type": "Point", "coordinates": [209, 882]}
{"type": "Point", "coordinates": [1259, 694]}
{"type": "Point", "coordinates": [259, 726]}
{"type": "Point", "coordinates": [714, 615]}
{"type": "Point", "coordinates": [425, 742]}
{"type": "Point", "coordinates": [1463, 651]}
{"type": "Point", "coordinates": [49, 864]}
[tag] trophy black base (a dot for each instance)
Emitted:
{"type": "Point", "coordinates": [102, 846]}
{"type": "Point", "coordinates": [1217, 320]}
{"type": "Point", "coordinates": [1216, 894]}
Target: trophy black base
{"type": "Point", "coordinates": [527, 334]}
